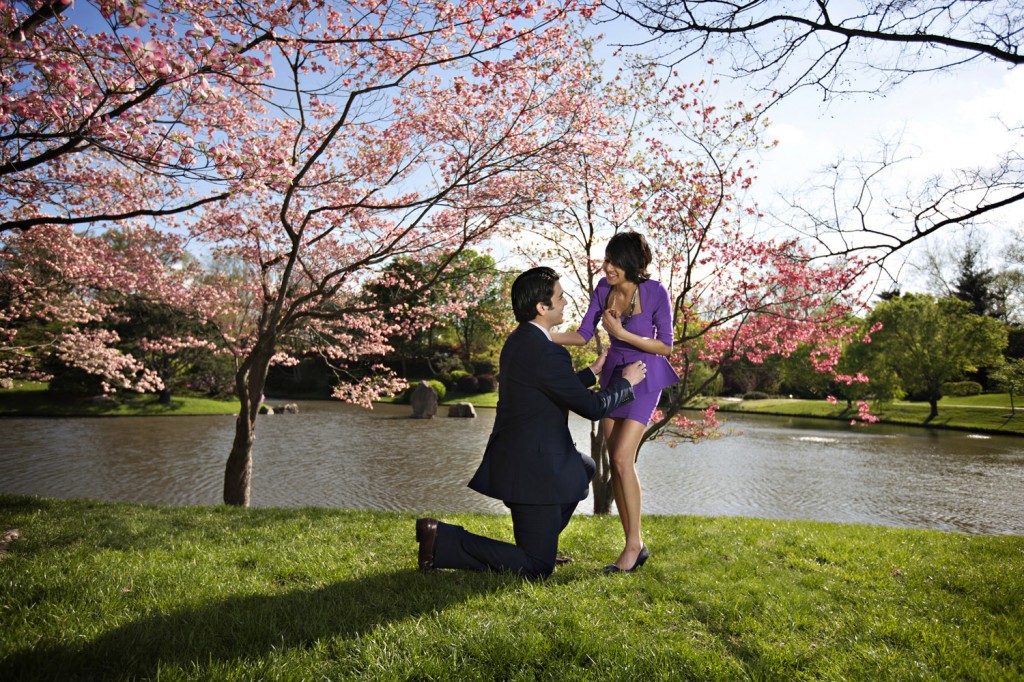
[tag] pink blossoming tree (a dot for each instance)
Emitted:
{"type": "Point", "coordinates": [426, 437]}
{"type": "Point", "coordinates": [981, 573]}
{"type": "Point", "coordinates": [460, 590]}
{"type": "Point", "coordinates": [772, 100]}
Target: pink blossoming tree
{"type": "Point", "coordinates": [311, 141]}
{"type": "Point", "coordinates": [67, 290]}
{"type": "Point", "coordinates": [678, 173]}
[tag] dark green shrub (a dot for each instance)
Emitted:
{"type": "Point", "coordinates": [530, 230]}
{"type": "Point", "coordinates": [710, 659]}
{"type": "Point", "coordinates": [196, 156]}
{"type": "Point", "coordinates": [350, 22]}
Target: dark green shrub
{"type": "Point", "coordinates": [484, 367]}
{"type": "Point", "coordinates": [959, 389]}
{"type": "Point", "coordinates": [755, 395]}
{"type": "Point", "coordinates": [467, 384]}
{"type": "Point", "coordinates": [413, 383]}
{"type": "Point", "coordinates": [72, 381]}
{"type": "Point", "coordinates": [447, 363]}
{"type": "Point", "coordinates": [487, 383]}
{"type": "Point", "coordinates": [439, 387]}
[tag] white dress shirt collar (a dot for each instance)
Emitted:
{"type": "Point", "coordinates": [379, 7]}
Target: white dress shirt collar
{"type": "Point", "coordinates": [546, 332]}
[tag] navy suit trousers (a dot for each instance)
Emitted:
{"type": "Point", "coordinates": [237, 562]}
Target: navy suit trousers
{"type": "Point", "coordinates": [536, 528]}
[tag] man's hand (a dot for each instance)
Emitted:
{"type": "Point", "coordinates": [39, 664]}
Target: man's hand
{"type": "Point", "coordinates": [599, 363]}
{"type": "Point", "coordinates": [635, 372]}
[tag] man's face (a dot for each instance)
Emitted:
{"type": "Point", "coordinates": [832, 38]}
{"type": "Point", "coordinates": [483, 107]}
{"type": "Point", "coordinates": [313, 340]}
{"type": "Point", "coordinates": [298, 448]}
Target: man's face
{"type": "Point", "coordinates": [553, 315]}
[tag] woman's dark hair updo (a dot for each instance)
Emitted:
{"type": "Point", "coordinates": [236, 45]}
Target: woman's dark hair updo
{"type": "Point", "coordinates": [629, 252]}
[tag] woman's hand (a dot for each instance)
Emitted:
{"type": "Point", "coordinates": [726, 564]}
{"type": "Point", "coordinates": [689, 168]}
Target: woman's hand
{"type": "Point", "coordinates": [612, 324]}
{"type": "Point", "coordinates": [599, 363]}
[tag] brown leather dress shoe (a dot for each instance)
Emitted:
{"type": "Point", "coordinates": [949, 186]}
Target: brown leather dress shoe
{"type": "Point", "coordinates": [426, 535]}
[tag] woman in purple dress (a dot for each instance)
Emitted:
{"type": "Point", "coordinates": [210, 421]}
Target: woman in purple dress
{"type": "Point", "coordinates": [637, 314]}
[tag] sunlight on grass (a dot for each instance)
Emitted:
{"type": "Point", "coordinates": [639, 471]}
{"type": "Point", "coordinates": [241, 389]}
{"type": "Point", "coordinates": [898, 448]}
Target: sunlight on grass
{"type": "Point", "coordinates": [211, 593]}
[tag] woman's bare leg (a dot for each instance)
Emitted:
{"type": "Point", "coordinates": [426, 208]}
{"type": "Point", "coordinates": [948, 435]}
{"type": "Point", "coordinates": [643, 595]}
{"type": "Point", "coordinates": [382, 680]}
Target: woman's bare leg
{"type": "Point", "coordinates": [611, 436]}
{"type": "Point", "coordinates": [626, 435]}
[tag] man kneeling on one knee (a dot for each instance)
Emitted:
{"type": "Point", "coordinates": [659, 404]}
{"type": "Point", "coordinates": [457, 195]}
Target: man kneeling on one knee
{"type": "Point", "coordinates": [531, 462]}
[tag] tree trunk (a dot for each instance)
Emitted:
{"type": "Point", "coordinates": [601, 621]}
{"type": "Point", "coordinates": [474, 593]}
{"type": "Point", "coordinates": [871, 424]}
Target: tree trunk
{"type": "Point", "coordinates": [934, 404]}
{"type": "Point", "coordinates": [602, 483]}
{"type": "Point", "coordinates": [238, 473]}
{"type": "Point", "coordinates": [249, 383]}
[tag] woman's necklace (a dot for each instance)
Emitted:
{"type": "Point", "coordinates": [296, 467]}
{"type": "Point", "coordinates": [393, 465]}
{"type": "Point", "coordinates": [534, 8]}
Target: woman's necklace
{"type": "Point", "coordinates": [632, 304]}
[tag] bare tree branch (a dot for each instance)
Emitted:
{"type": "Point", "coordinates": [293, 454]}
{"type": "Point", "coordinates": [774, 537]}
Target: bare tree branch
{"type": "Point", "coordinates": [839, 42]}
{"type": "Point", "coordinates": [844, 48]}
{"type": "Point", "coordinates": [858, 213]}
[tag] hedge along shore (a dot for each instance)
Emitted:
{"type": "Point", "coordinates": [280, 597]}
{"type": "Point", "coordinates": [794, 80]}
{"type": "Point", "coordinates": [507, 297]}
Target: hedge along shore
{"type": "Point", "coordinates": [986, 414]}
{"type": "Point", "coordinates": [34, 400]}
{"type": "Point", "coordinates": [96, 590]}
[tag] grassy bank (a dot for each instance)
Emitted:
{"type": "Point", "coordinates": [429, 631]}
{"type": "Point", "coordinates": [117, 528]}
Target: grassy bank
{"type": "Point", "coordinates": [107, 591]}
{"type": "Point", "coordinates": [988, 413]}
{"type": "Point", "coordinates": [35, 400]}
{"type": "Point", "coordinates": [452, 397]}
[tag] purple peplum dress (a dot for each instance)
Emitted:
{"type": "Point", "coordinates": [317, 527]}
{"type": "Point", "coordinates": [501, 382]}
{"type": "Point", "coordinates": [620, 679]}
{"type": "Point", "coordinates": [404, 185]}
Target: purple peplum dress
{"type": "Point", "coordinates": [653, 321]}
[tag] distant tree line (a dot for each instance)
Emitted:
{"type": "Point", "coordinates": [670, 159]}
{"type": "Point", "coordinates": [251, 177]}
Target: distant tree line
{"type": "Point", "coordinates": [965, 339]}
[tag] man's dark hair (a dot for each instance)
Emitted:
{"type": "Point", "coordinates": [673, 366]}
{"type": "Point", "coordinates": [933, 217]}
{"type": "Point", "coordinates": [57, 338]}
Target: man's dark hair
{"type": "Point", "coordinates": [536, 285]}
{"type": "Point", "coordinates": [629, 252]}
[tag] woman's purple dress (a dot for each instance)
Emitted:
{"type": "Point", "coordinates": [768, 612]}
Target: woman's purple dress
{"type": "Point", "coordinates": [653, 321]}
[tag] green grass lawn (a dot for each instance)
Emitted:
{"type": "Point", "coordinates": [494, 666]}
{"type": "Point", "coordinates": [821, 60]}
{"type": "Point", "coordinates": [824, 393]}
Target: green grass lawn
{"type": "Point", "coordinates": [476, 399]}
{"type": "Point", "coordinates": [35, 400]}
{"type": "Point", "coordinates": [452, 397]}
{"type": "Point", "coordinates": [984, 400]}
{"type": "Point", "coordinates": [989, 413]}
{"type": "Point", "coordinates": [110, 591]}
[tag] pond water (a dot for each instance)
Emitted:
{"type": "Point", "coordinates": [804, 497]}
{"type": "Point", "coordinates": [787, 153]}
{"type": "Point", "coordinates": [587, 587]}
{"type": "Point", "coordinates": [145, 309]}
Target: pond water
{"type": "Point", "coordinates": [336, 455]}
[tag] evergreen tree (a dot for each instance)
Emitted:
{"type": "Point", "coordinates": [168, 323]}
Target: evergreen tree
{"type": "Point", "coordinates": [977, 285]}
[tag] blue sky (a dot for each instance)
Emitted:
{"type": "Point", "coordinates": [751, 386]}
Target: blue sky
{"type": "Point", "coordinates": [945, 120]}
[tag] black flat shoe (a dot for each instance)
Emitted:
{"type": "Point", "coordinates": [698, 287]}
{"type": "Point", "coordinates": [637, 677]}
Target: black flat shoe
{"type": "Point", "coordinates": [640, 559]}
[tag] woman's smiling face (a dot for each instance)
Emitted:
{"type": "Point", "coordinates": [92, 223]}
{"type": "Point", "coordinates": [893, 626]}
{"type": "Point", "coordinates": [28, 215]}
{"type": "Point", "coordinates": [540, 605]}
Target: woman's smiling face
{"type": "Point", "coordinates": [613, 274]}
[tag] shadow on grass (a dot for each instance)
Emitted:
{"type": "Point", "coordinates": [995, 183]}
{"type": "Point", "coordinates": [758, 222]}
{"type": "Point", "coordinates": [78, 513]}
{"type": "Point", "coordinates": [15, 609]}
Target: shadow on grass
{"type": "Point", "coordinates": [291, 615]}
{"type": "Point", "coordinates": [133, 527]}
{"type": "Point", "coordinates": [244, 628]}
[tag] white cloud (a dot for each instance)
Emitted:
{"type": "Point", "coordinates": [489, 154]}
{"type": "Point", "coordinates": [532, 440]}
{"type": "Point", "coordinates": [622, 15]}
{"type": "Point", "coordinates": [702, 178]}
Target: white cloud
{"type": "Point", "coordinates": [946, 122]}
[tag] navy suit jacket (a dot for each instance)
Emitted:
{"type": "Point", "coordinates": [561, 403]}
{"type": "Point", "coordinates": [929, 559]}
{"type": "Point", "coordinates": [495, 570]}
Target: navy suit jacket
{"type": "Point", "coordinates": [530, 456]}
